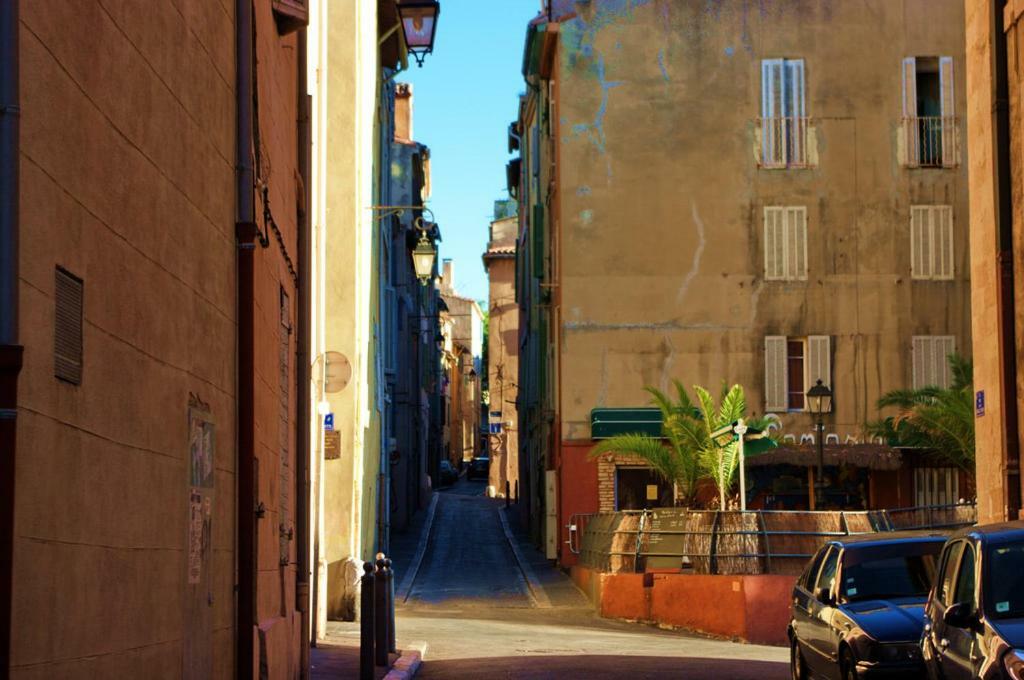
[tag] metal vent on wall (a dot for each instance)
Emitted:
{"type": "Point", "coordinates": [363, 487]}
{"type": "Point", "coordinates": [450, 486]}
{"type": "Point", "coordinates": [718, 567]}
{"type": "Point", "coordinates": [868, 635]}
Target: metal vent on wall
{"type": "Point", "coordinates": [67, 345]}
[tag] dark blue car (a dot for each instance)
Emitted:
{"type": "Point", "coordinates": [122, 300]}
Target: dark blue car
{"type": "Point", "coordinates": [974, 621]}
{"type": "Point", "coordinates": [858, 608]}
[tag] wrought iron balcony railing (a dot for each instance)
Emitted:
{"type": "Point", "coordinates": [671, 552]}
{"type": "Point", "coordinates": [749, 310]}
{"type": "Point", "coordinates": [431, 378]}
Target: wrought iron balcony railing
{"type": "Point", "coordinates": [784, 141]}
{"type": "Point", "coordinates": [930, 141]}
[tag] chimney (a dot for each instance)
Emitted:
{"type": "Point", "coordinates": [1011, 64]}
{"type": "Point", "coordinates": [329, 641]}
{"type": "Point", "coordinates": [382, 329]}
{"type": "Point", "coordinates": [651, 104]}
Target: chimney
{"type": "Point", "coordinates": [403, 112]}
{"type": "Point", "coordinates": [448, 275]}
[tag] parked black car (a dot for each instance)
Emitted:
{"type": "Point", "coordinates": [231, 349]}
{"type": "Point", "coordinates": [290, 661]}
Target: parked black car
{"type": "Point", "coordinates": [479, 468]}
{"type": "Point", "coordinates": [858, 608]}
{"type": "Point", "coordinates": [974, 621]}
{"type": "Point", "coordinates": [447, 474]}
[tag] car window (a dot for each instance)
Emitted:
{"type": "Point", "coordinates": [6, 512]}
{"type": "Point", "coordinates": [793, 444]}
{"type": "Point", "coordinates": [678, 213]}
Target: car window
{"type": "Point", "coordinates": [888, 572]}
{"type": "Point", "coordinates": [949, 562]}
{"type": "Point", "coordinates": [828, 570]}
{"type": "Point", "coordinates": [1003, 584]}
{"type": "Point", "coordinates": [964, 591]}
{"type": "Point", "coordinates": [811, 573]}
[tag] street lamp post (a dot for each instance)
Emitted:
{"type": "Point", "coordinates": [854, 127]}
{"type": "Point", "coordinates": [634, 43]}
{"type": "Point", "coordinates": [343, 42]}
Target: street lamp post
{"type": "Point", "coordinates": [819, 402]}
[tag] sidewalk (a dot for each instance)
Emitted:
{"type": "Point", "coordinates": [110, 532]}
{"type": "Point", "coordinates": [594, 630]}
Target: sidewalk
{"type": "Point", "coordinates": [337, 657]}
{"type": "Point", "coordinates": [559, 588]}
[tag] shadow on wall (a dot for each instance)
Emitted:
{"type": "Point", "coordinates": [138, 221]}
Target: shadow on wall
{"type": "Point", "coordinates": [605, 666]}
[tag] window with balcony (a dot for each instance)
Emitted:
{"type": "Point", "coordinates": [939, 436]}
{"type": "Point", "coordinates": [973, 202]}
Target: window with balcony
{"type": "Point", "coordinates": [929, 116]}
{"type": "Point", "coordinates": [785, 243]}
{"type": "Point", "coordinates": [791, 366]}
{"type": "Point", "coordinates": [784, 123]}
{"type": "Point", "coordinates": [931, 242]}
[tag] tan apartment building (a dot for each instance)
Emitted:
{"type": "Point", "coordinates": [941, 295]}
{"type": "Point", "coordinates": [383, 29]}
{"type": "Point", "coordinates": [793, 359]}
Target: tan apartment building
{"type": "Point", "coordinates": [503, 349]}
{"type": "Point", "coordinates": [995, 130]}
{"type": "Point", "coordinates": [724, 193]}
{"type": "Point", "coordinates": [157, 476]}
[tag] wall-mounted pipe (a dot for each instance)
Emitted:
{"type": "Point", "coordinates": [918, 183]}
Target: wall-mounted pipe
{"type": "Point", "coordinates": [1001, 139]}
{"type": "Point", "coordinates": [246, 235]}
{"type": "Point", "coordinates": [10, 350]}
{"type": "Point", "coordinates": [302, 345]}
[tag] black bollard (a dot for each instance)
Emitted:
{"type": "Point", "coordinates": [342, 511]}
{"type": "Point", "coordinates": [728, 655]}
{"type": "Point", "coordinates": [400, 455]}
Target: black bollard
{"type": "Point", "coordinates": [380, 614]}
{"type": "Point", "coordinates": [508, 493]}
{"type": "Point", "coordinates": [366, 669]}
{"type": "Point", "coordinates": [517, 492]}
{"type": "Point", "coordinates": [392, 647]}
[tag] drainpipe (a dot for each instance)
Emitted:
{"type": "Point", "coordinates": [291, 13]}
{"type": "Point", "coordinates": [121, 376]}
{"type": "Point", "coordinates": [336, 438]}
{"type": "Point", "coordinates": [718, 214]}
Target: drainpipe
{"type": "Point", "coordinates": [245, 233]}
{"type": "Point", "coordinates": [1004, 211]}
{"type": "Point", "coordinates": [10, 350]}
{"type": "Point", "coordinates": [302, 344]}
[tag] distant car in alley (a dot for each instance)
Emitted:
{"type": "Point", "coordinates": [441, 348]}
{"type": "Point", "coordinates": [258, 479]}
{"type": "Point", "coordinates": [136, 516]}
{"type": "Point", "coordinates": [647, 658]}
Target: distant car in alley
{"type": "Point", "coordinates": [479, 468]}
{"type": "Point", "coordinates": [447, 474]}
{"type": "Point", "coordinates": [858, 607]}
{"type": "Point", "coordinates": [974, 620]}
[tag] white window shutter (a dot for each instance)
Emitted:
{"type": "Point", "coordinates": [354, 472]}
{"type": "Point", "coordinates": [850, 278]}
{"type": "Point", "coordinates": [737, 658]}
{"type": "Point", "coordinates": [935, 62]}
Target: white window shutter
{"type": "Point", "coordinates": [775, 378]}
{"type": "Point", "coordinates": [920, 359]}
{"type": "Point", "coordinates": [795, 103]}
{"type": "Point", "coordinates": [797, 239]}
{"type": "Point", "coordinates": [918, 223]}
{"type": "Point", "coordinates": [927, 243]}
{"type": "Point", "coordinates": [946, 345]}
{"type": "Point", "coordinates": [771, 109]}
{"type": "Point", "coordinates": [819, 354]}
{"type": "Point", "coordinates": [910, 124]}
{"type": "Point", "coordinates": [948, 103]}
{"type": "Point", "coordinates": [773, 244]}
{"type": "Point", "coordinates": [944, 268]}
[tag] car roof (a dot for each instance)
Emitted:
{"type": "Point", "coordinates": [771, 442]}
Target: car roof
{"type": "Point", "coordinates": [889, 537]}
{"type": "Point", "coordinates": [994, 533]}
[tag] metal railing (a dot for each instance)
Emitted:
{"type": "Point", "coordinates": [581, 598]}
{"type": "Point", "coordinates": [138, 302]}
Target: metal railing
{"type": "Point", "coordinates": [930, 141]}
{"type": "Point", "coordinates": [784, 141]}
{"type": "Point", "coordinates": [734, 542]}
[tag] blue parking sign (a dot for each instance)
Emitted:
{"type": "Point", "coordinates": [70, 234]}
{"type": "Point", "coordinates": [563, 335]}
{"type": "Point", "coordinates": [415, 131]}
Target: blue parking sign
{"type": "Point", "coordinates": [329, 422]}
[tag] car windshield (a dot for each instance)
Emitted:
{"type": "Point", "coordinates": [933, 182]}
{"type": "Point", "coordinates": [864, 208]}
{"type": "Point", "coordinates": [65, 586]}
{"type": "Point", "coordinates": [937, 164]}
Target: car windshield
{"type": "Point", "coordinates": [1004, 586]}
{"type": "Point", "coordinates": [890, 571]}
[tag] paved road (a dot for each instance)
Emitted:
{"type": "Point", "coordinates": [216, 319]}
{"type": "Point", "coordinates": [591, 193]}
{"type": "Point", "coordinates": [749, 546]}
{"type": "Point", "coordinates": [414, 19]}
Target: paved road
{"type": "Point", "coordinates": [470, 602]}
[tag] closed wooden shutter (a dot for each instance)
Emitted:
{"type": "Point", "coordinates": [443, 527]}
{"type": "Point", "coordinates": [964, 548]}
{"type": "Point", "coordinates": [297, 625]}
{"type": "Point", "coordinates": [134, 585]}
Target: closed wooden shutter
{"type": "Point", "coordinates": [69, 292]}
{"type": "Point", "coordinates": [920, 242]}
{"type": "Point", "coordinates": [910, 126]}
{"type": "Point", "coordinates": [943, 241]}
{"type": "Point", "coordinates": [796, 238]}
{"type": "Point", "coordinates": [948, 103]}
{"type": "Point", "coordinates": [944, 346]}
{"type": "Point", "coordinates": [775, 378]}
{"type": "Point", "coordinates": [771, 111]}
{"type": "Point", "coordinates": [774, 244]}
{"type": "Point", "coordinates": [819, 360]}
{"type": "Point", "coordinates": [931, 360]}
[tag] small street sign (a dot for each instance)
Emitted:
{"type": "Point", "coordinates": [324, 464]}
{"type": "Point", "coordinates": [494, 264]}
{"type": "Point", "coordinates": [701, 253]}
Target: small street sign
{"type": "Point", "coordinates": [329, 422]}
{"type": "Point", "coordinates": [979, 403]}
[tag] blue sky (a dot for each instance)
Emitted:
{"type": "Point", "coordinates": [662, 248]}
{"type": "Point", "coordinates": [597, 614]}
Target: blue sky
{"type": "Point", "coordinates": [464, 97]}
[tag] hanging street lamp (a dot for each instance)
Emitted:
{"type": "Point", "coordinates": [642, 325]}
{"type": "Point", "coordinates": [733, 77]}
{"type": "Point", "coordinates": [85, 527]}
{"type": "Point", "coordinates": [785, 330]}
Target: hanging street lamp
{"type": "Point", "coordinates": [819, 402]}
{"type": "Point", "coordinates": [423, 256]}
{"type": "Point", "coordinates": [419, 24]}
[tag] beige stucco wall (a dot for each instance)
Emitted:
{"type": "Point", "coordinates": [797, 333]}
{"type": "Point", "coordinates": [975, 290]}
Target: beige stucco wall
{"type": "Point", "coordinates": [127, 181]}
{"type": "Point", "coordinates": [661, 200]}
{"type": "Point", "coordinates": [344, 62]}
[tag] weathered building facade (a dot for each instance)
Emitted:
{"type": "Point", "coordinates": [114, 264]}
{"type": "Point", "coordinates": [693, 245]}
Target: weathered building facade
{"type": "Point", "coordinates": [462, 357]}
{"type": "Point", "coordinates": [158, 478]}
{"type": "Point", "coordinates": [503, 349]}
{"type": "Point", "coordinates": [995, 131]}
{"type": "Point", "coordinates": [719, 193]}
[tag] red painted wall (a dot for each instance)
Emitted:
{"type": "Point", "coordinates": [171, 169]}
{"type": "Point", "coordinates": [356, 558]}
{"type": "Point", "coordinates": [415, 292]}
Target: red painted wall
{"type": "Point", "coordinates": [577, 491]}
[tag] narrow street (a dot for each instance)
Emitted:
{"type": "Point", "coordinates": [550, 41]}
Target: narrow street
{"type": "Point", "coordinates": [472, 604]}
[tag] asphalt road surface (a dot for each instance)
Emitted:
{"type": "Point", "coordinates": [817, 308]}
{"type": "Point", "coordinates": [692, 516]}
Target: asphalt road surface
{"type": "Point", "coordinates": [472, 604]}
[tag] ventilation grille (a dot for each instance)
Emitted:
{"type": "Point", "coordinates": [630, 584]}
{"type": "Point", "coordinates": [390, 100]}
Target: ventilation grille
{"type": "Point", "coordinates": [67, 346]}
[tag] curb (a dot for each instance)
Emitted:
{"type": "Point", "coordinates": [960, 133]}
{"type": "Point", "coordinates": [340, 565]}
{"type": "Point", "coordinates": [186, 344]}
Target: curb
{"type": "Point", "coordinates": [407, 665]}
{"type": "Point", "coordinates": [406, 586]}
{"type": "Point", "coordinates": [538, 596]}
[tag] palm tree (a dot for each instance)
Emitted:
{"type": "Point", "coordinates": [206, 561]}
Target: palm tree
{"type": "Point", "coordinates": [940, 419]}
{"type": "Point", "coordinates": [687, 452]}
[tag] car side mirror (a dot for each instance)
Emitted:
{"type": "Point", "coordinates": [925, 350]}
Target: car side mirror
{"type": "Point", "coordinates": [959, 615]}
{"type": "Point", "coordinates": [823, 595]}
